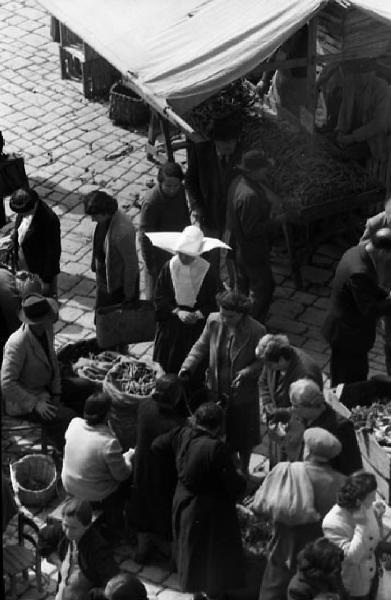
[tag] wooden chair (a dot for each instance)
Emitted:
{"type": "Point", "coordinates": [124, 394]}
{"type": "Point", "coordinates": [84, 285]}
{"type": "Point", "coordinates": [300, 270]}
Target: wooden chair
{"type": "Point", "coordinates": [18, 558]}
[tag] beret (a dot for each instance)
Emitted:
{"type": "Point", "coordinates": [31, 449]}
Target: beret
{"type": "Point", "coordinates": [321, 443]}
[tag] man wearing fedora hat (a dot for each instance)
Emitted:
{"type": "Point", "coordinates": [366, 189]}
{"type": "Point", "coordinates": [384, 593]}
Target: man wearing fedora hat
{"type": "Point", "coordinates": [30, 376]}
{"type": "Point", "coordinates": [248, 227]}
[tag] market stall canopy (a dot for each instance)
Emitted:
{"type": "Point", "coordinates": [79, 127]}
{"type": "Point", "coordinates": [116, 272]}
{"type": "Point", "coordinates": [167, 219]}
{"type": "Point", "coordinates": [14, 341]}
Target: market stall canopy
{"type": "Point", "coordinates": [178, 53]}
{"type": "Point", "coordinates": [379, 9]}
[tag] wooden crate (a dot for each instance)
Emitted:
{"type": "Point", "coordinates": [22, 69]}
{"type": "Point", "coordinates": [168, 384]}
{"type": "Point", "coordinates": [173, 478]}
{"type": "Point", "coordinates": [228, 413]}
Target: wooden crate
{"type": "Point", "coordinates": [376, 460]}
{"type": "Point", "coordinates": [79, 61]}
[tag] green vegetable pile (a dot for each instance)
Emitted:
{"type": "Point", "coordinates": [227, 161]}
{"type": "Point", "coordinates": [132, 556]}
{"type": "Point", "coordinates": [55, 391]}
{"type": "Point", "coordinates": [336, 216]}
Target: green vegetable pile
{"type": "Point", "coordinates": [307, 169]}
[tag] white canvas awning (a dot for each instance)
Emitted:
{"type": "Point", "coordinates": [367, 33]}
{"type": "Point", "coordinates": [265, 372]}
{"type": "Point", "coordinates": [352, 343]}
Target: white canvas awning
{"type": "Point", "coordinates": [179, 52]}
{"type": "Point", "coordinates": [379, 9]}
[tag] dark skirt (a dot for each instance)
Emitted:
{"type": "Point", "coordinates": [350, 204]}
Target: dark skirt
{"type": "Point", "coordinates": [243, 422]}
{"type": "Point", "coordinates": [173, 342]}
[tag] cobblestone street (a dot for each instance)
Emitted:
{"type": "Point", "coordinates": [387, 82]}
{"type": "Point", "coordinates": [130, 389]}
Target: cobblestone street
{"type": "Point", "coordinates": [66, 142]}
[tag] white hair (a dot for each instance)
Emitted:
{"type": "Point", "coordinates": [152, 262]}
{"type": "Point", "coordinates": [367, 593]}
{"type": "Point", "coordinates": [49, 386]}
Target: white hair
{"type": "Point", "coordinates": [305, 392]}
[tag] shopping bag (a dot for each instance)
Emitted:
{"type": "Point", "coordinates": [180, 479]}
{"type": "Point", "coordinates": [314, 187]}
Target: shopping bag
{"type": "Point", "coordinates": [128, 324]}
{"type": "Point", "coordinates": [286, 495]}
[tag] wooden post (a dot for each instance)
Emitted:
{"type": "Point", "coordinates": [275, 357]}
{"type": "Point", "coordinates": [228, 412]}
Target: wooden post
{"type": "Point", "coordinates": [166, 131]}
{"type": "Point", "coordinates": [311, 73]}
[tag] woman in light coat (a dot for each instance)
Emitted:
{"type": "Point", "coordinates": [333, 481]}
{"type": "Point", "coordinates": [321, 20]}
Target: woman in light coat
{"type": "Point", "coordinates": [229, 339]}
{"type": "Point", "coordinates": [354, 524]}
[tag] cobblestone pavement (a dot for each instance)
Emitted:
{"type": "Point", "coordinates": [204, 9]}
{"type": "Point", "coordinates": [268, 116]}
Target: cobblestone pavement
{"type": "Point", "coordinates": [66, 141]}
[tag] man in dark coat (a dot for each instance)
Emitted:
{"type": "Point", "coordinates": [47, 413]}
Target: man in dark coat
{"type": "Point", "coordinates": [154, 481]}
{"type": "Point", "coordinates": [309, 409]}
{"type": "Point", "coordinates": [248, 230]}
{"type": "Point", "coordinates": [164, 209]}
{"type": "Point", "coordinates": [373, 224]}
{"type": "Point", "coordinates": [206, 530]}
{"type": "Point", "coordinates": [211, 168]}
{"type": "Point", "coordinates": [36, 238]}
{"type": "Point", "coordinates": [357, 301]}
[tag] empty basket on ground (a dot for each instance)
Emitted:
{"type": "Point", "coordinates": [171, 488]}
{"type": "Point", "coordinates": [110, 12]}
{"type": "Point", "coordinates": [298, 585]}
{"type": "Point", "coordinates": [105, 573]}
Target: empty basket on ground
{"type": "Point", "coordinates": [126, 107]}
{"type": "Point", "coordinates": [34, 479]}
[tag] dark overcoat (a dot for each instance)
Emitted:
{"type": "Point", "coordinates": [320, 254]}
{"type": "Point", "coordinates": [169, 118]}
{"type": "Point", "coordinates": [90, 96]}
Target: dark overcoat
{"type": "Point", "coordinates": [42, 243]}
{"type": "Point", "coordinates": [357, 302]}
{"type": "Point", "coordinates": [206, 530]}
{"type": "Point", "coordinates": [154, 481]}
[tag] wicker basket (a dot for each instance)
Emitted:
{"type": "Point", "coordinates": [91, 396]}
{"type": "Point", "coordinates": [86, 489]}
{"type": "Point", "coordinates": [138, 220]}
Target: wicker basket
{"type": "Point", "coordinates": [126, 108]}
{"type": "Point", "coordinates": [34, 471]}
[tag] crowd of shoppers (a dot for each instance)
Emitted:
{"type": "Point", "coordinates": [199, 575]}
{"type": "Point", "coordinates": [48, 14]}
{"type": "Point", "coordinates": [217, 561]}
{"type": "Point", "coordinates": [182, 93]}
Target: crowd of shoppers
{"type": "Point", "coordinates": [226, 382]}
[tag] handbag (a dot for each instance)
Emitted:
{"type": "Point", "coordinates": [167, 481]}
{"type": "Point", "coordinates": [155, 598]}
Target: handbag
{"type": "Point", "coordinates": [129, 324]}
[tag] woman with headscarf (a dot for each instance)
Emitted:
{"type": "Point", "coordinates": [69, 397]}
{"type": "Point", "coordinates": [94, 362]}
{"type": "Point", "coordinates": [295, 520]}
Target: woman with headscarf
{"type": "Point", "coordinates": [184, 295]}
{"type": "Point", "coordinates": [154, 481]}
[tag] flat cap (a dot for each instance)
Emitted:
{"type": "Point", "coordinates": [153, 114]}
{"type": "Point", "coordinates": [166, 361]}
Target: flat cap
{"type": "Point", "coordinates": [321, 443]}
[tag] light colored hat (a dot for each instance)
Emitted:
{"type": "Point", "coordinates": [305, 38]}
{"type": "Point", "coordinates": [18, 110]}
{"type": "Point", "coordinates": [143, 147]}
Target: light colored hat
{"type": "Point", "coordinates": [190, 241]}
{"type": "Point", "coordinates": [38, 309]}
{"type": "Point", "coordinates": [321, 444]}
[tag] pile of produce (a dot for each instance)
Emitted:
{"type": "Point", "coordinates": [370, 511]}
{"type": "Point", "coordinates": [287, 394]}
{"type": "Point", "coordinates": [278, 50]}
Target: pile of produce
{"type": "Point", "coordinates": [375, 419]}
{"type": "Point", "coordinates": [256, 530]}
{"type": "Point", "coordinates": [306, 169]}
{"type": "Point", "coordinates": [237, 98]}
{"type": "Point", "coordinates": [96, 366]}
{"type": "Point", "coordinates": [133, 377]}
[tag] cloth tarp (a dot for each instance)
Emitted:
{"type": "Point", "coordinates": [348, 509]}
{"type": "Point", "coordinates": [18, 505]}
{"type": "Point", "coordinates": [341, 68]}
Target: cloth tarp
{"type": "Point", "coordinates": [379, 9]}
{"type": "Point", "coordinates": [181, 52]}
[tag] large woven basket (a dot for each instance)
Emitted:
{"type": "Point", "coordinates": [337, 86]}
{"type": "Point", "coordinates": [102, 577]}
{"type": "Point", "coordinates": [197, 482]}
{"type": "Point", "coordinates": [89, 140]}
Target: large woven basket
{"type": "Point", "coordinates": [34, 479]}
{"type": "Point", "coordinates": [126, 108]}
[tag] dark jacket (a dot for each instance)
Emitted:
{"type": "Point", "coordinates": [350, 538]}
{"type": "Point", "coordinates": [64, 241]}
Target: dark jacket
{"type": "Point", "coordinates": [205, 525]}
{"type": "Point", "coordinates": [161, 213]}
{"type": "Point", "coordinates": [274, 386]}
{"type": "Point", "coordinates": [207, 183]}
{"type": "Point", "coordinates": [357, 302]}
{"type": "Point", "coordinates": [248, 214]}
{"type": "Point", "coordinates": [9, 305]}
{"type": "Point", "coordinates": [95, 555]}
{"type": "Point", "coordinates": [154, 481]}
{"type": "Point", "coordinates": [42, 243]}
{"type": "Point", "coordinates": [348, 461]}
{"type": "Point", "coordinates": [303, 587]}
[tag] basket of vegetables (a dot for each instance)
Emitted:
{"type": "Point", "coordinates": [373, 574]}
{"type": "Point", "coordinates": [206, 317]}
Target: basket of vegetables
{"type": "Point", "coordinates": [34, 479]}
{"type": "Point", "coordinates": [128, 383]}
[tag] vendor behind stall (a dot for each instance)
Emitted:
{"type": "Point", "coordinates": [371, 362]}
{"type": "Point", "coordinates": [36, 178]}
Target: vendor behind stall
{"type": "Point", "coordinates": [211, 168]}
{"type": "Point", "coordinates": [364, 119]}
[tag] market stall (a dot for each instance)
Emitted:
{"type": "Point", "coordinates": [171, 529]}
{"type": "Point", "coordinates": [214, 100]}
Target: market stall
{"type": "Point", "coordinates": [177, 60]}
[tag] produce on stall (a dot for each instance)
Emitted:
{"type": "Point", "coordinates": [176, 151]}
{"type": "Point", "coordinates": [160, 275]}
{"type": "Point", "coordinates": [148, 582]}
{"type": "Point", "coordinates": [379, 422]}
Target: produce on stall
{"type": "Point", "coordinates": [375, 419]}
{"type": "Point", "coordinates": [306, 169]}
{"type": "Point", "coordinates": [256, 530]}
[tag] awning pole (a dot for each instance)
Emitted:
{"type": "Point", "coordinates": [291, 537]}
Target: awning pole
{"type": "Point", "coordinates": [166, 111]}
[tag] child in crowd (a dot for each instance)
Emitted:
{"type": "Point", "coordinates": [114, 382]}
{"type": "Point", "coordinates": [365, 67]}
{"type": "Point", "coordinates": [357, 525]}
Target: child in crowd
{"type": "Point", "coordinates": [83, 557]}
